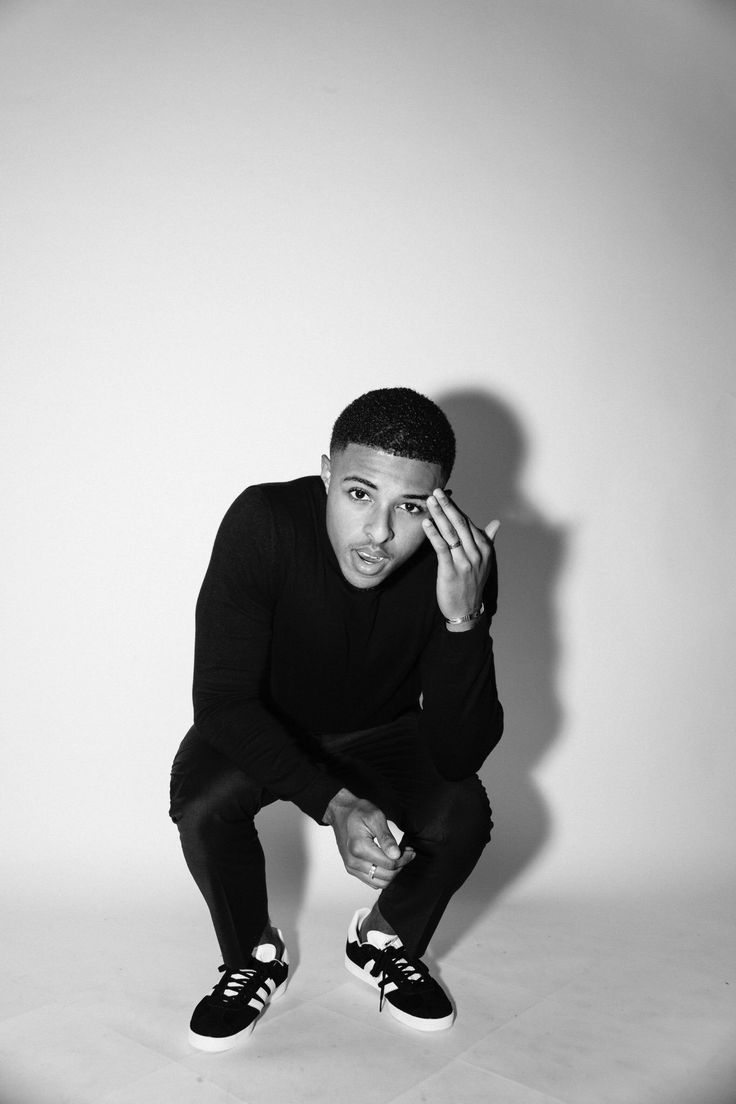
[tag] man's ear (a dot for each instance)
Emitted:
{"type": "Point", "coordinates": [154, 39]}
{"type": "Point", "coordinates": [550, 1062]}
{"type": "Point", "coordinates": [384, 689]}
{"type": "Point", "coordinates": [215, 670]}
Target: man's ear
{"type": "Point", "coordinates": [326, 472]}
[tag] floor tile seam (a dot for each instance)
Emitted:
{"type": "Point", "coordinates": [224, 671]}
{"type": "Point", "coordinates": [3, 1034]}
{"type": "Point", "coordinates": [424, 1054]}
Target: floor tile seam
{"type": "Point", "coordinates": [87, 1019]}
{"type": "Point", "coordinates": [231, 1099]}
{"type": "Point", "coordinates": [349, 985]}
{"type": "Point", "coordinates": [462, 1054]}
{"type": "Point", "coordinates": [500, 1027]}
{"type": "Point", "coordinates": [558, 1000]}
{"type": "Point", "coordinates": [387, 1025]}
{"type": "Point", "coordinates": [425, 1079]}
{"type": "Point", "coordinates": [532, 998]}
{"type": "Point", "coordinates": [343, 1017]}
{"type": "Point", "coordinates": [421, 1079]}
{"type": "Point", "coordinates": [127, 1037]}
{"type": "Point", "coordinates": [446, 1063]}
{"type": "Point", "coordinates": [565, 997]}
{"type": "Point", "coordinates": [571, 1007]}
{"type": "Point", "coordinates": [391, 1024]}
{"type": "Point", "coordinates": [538, 992]}
{"type": "Point", "coordinates": [29, 1011]}
{"type": "Point", "coordinates": [512, 1080]}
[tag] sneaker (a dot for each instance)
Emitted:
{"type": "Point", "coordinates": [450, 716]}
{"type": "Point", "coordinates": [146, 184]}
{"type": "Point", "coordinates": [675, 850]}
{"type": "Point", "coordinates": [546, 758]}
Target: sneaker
{"type": "Point", "coordinates": [405, 985]}
{"type": "Point", "coordinates": [229, 1013]}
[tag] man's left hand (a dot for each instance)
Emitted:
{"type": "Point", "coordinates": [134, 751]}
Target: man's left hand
{"type": "Point", "coordinates": [464, 556]}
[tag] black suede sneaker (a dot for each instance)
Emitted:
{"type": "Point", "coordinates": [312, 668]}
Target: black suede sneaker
{"type": "Point", "coordinates": [229, 1014]}
{"type": "Point", "coordinates": [405, 985]}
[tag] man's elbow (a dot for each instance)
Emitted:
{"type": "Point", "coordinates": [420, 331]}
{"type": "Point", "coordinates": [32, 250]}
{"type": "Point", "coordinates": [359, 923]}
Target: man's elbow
{"type": "Point", "coordinates": [456, 762]}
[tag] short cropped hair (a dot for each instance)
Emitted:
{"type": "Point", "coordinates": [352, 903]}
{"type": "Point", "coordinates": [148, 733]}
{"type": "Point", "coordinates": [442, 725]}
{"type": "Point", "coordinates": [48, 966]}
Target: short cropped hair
{"type": "Point", "coordinates": [399, 421]}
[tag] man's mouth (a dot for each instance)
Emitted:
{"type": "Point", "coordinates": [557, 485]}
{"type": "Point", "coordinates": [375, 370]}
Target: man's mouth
{"type": "Point", "coordinates": [371, 557]}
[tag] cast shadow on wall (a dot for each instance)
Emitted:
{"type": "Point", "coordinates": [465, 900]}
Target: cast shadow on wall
{"type": "Point", "coordinates": [487, 484]}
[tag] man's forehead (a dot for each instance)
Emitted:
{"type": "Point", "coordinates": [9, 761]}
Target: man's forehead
{"type": "Point", "coordinates": [377, 466]}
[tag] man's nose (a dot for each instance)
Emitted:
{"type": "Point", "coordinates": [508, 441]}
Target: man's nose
{"type": "Point", "coordinates": [378, 528]}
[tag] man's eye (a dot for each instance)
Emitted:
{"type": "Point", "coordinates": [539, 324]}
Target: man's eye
{"type": "Point", "coordinates": [412, 508]}
{"type": "Point", "coordinates": [358, 494]}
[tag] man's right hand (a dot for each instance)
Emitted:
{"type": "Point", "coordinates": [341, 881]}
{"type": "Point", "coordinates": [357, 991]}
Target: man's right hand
{"type": "Point", "coordinates": [365, 840]}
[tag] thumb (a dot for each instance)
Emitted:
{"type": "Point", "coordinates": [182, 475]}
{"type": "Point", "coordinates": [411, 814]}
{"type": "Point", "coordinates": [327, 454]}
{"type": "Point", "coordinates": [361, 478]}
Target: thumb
{"type": "Point", "coordinates": [492, 528]}
{"type": "Point", "coordinates": [384, 838]}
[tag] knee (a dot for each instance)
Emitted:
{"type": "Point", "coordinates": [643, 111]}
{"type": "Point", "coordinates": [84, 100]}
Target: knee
{"type": "Point", "coordinates": [471, 811]}
{"type": "Point", "coordinates": [195, 817]}
{"type": "Point", "coordinates": [207, 810]}
{"type": "Point", "coordinates": [192, 813]}
{"type": "Point", "coordinates": [460, 817]}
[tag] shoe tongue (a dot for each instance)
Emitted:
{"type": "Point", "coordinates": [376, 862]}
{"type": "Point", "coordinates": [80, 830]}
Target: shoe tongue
{"type": "Point", "coordinates": [266, 952]}
{"type": "Point", "coordinates": [380, 940]}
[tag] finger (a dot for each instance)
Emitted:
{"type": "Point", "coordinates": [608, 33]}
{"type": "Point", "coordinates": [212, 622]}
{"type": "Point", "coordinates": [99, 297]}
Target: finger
{"type": "Point", "coordinates": [463, 525]}
{"type": "Point", "coordinates": [438, 542]}
{"type": "Point", "coordinates": [389, 875]}
{"type": "Point", "coordinates": [378, 877]}
{"type": "Point", "coordinates": [374, 859]}
{"type": "Point", "coordinates": [460, 525]}
{"type": "Point", "coordinates": [367, 853]}
{"type": "Point", "coordinates": [440, 518]}
{"type": "Point", "coordinates": [382, 836]}
{"type": "Point", "coordinates": [390, 867]}
{"type": "Point", "coordinates": [454, 540]}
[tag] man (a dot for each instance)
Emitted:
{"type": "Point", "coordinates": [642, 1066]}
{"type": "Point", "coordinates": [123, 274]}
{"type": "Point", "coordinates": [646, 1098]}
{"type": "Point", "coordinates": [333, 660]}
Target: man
{"type": "Point", "coordinates": [343, 662]}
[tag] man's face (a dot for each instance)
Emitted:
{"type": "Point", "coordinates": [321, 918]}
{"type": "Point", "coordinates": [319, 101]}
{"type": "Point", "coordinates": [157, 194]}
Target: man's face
{"type": "Point", "coordinates": [375, 506]}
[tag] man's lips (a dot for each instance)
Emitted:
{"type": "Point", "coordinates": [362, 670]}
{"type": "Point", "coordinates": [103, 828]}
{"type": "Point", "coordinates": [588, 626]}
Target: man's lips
{"type": "Point", "coordinates": [371, 556]}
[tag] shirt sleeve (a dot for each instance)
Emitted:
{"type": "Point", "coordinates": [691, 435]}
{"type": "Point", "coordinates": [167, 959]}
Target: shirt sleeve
{"type": "Point", "coordinates": [231, 660]}
{"type": "Point", "coordinates": [462, 718]}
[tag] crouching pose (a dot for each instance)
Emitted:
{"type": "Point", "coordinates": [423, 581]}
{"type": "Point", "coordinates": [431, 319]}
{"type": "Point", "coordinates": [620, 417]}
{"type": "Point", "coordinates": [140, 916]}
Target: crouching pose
{"type": "Point", "coordinates": [343, 662]}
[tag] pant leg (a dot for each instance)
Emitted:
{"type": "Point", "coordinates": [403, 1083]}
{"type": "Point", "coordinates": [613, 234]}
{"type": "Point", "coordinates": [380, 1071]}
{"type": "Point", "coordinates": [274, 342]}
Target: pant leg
{"type": "Point", "coordinates": [213, 804]}
{"type": "Point", "coordinates": [448, 823]}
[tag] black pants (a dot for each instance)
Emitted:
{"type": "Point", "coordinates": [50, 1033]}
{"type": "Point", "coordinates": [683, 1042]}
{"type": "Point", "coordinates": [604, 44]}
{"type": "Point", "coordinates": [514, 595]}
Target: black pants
{"type": "Point", "coordinates": [214, 803]}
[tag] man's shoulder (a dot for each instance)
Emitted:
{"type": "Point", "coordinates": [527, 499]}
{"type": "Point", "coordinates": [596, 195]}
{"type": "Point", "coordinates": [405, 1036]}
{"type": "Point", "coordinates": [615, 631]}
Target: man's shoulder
{"type": "Point", "coordinates": [277, 507]}
{"type": "Point", "coordinates": [284, 498]}
{"type": "Point", "coordinates": [300, 490]}
{"type": "Point", "coordinates": [268, 522]}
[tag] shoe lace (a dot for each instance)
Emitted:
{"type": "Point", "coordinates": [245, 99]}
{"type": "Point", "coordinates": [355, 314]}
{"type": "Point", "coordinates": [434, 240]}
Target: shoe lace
{"type": "Point", "coordinates": [236, 984]}
{"type": "Point", "coordinates": [393, 966]}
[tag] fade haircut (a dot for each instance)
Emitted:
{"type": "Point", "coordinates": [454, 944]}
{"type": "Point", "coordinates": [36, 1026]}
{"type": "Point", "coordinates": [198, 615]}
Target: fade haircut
{"type": "Point", "coordinates": [399, 421]}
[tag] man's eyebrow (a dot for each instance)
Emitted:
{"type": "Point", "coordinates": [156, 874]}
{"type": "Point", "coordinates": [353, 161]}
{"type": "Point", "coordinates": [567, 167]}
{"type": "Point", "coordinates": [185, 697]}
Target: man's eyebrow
{"type": "Point", "coordinates": [373, 487]}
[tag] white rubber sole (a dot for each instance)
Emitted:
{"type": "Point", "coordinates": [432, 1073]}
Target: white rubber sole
{"type": "Point", "coordinates": [402, 1017]}
{"type": "Point", "coordinates": [215, 1046]}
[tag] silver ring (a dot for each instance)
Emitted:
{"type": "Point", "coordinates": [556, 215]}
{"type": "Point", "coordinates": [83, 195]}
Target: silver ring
{"type": "Point", "coordinates": [455, 545]}
{"type": "Point", "coordinates": [372, 871]}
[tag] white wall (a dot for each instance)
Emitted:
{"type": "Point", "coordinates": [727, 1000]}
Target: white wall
{"type": "Point", "coordinates": [225, 220]}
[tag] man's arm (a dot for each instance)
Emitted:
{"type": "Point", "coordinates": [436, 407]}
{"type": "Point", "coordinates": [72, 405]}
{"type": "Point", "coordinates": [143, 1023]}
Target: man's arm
{"type": "Point", "coordinates": [462, 718]}
{"type": "Point", "coordinates": [233, 638]}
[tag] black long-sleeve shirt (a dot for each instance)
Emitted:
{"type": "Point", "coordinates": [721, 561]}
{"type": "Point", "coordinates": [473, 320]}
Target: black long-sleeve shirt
{"type": "Point", "coordinates": [287, 649]}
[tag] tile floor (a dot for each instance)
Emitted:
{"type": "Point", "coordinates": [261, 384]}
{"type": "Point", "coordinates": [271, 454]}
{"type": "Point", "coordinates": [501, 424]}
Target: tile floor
{"type": "Point", "coordinates": [565, 1002]}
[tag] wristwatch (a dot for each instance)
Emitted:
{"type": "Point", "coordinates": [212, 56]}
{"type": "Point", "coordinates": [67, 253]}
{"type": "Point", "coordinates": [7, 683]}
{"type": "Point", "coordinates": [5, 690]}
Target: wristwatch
{"type": "Point", "coordinates": [468, 617]}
